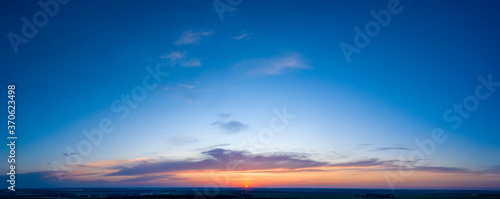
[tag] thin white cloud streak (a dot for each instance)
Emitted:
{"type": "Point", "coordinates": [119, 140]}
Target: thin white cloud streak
{"type": "Point", "coordinates": [190, 37]}
{"type": "Point", "coordinates": [243, 36]}
{"type": "Point", "coordinates": [275, 65]}
{"type": "Point", "coordinates": [191, 63]}
{"type": "Point", "coordinates": [174, 55]}
{"type": "Point", "coordinates": [186, 85]}
{"type": "Point", "coordinates": [178, 57]}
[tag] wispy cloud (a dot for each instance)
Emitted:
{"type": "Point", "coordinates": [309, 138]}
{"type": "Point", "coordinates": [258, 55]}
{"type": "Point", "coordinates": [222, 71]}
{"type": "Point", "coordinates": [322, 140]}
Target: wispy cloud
{"type": "Point", "coordinates": [213, 147]}
{"type": "Point", "coordinates": [232, 126]}
{"type": "Point", "coordinates": [390, 148]}
{"type": "Point", "coordinates": [149, 179]}
{"type": "Point", "coordinates": [178, 57]}
{"type": "Point", "coordinates": [375, 164]}
{"type": "Point", "coordinates": [442, 169]}
{"type": "Point", "coordinates": [381, 147]}
{"type": "Point", "coordinates": [361, 163]}
{"type": "Point", "coordinates": [186, 86]}
{"type": "Point", "coordinates": [174, 55]}
{"type": "Point", "coordinates": [191, 63]}
{"type": "Point", "coordinates": [223, 115]}
{"type": "Point", "coordinates": [186, 92]}
{"type": "Point", "coordinates": [494, 169]}
{"type": "Point", "coordinates": [243, 36]}
{"type": "Point", "coordinates": [190, 37]}
{"type": "Point", "coordinates": [219, 145]}
{"type": "Point", "coordinates": [275, 65]}
{"type": "Point", "coordinates": [181, 140]}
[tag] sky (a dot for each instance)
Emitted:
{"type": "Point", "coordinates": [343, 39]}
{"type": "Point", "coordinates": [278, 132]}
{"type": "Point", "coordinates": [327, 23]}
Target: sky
{"type": "Point", "coordinates": [379, 94]}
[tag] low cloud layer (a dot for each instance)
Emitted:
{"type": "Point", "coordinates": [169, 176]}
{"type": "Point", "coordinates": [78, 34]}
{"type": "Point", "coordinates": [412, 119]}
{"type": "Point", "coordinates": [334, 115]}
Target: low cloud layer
{"type": "Point", "coordinates": [361, 163]}
{"type": "Point", "coordinates": [144, 172]}
{"type": "Point", "coordinates": [221, 159]}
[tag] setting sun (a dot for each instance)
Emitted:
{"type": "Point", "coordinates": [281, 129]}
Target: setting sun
{"type": "Point", "coordinates": [246, 185]}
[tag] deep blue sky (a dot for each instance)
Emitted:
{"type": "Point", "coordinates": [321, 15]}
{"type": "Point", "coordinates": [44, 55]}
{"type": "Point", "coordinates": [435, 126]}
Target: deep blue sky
{"type": "Point", "coordinates": [263, 55]}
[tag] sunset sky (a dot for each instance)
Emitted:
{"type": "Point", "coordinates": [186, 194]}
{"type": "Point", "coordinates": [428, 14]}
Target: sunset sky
{"type": "Point", "coordinates": [181, 94]}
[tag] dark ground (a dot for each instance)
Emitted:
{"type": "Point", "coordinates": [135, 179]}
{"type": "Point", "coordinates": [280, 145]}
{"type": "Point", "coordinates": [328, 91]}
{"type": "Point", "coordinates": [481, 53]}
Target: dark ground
{"type": "Point", "coordinates": [226, 193]}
